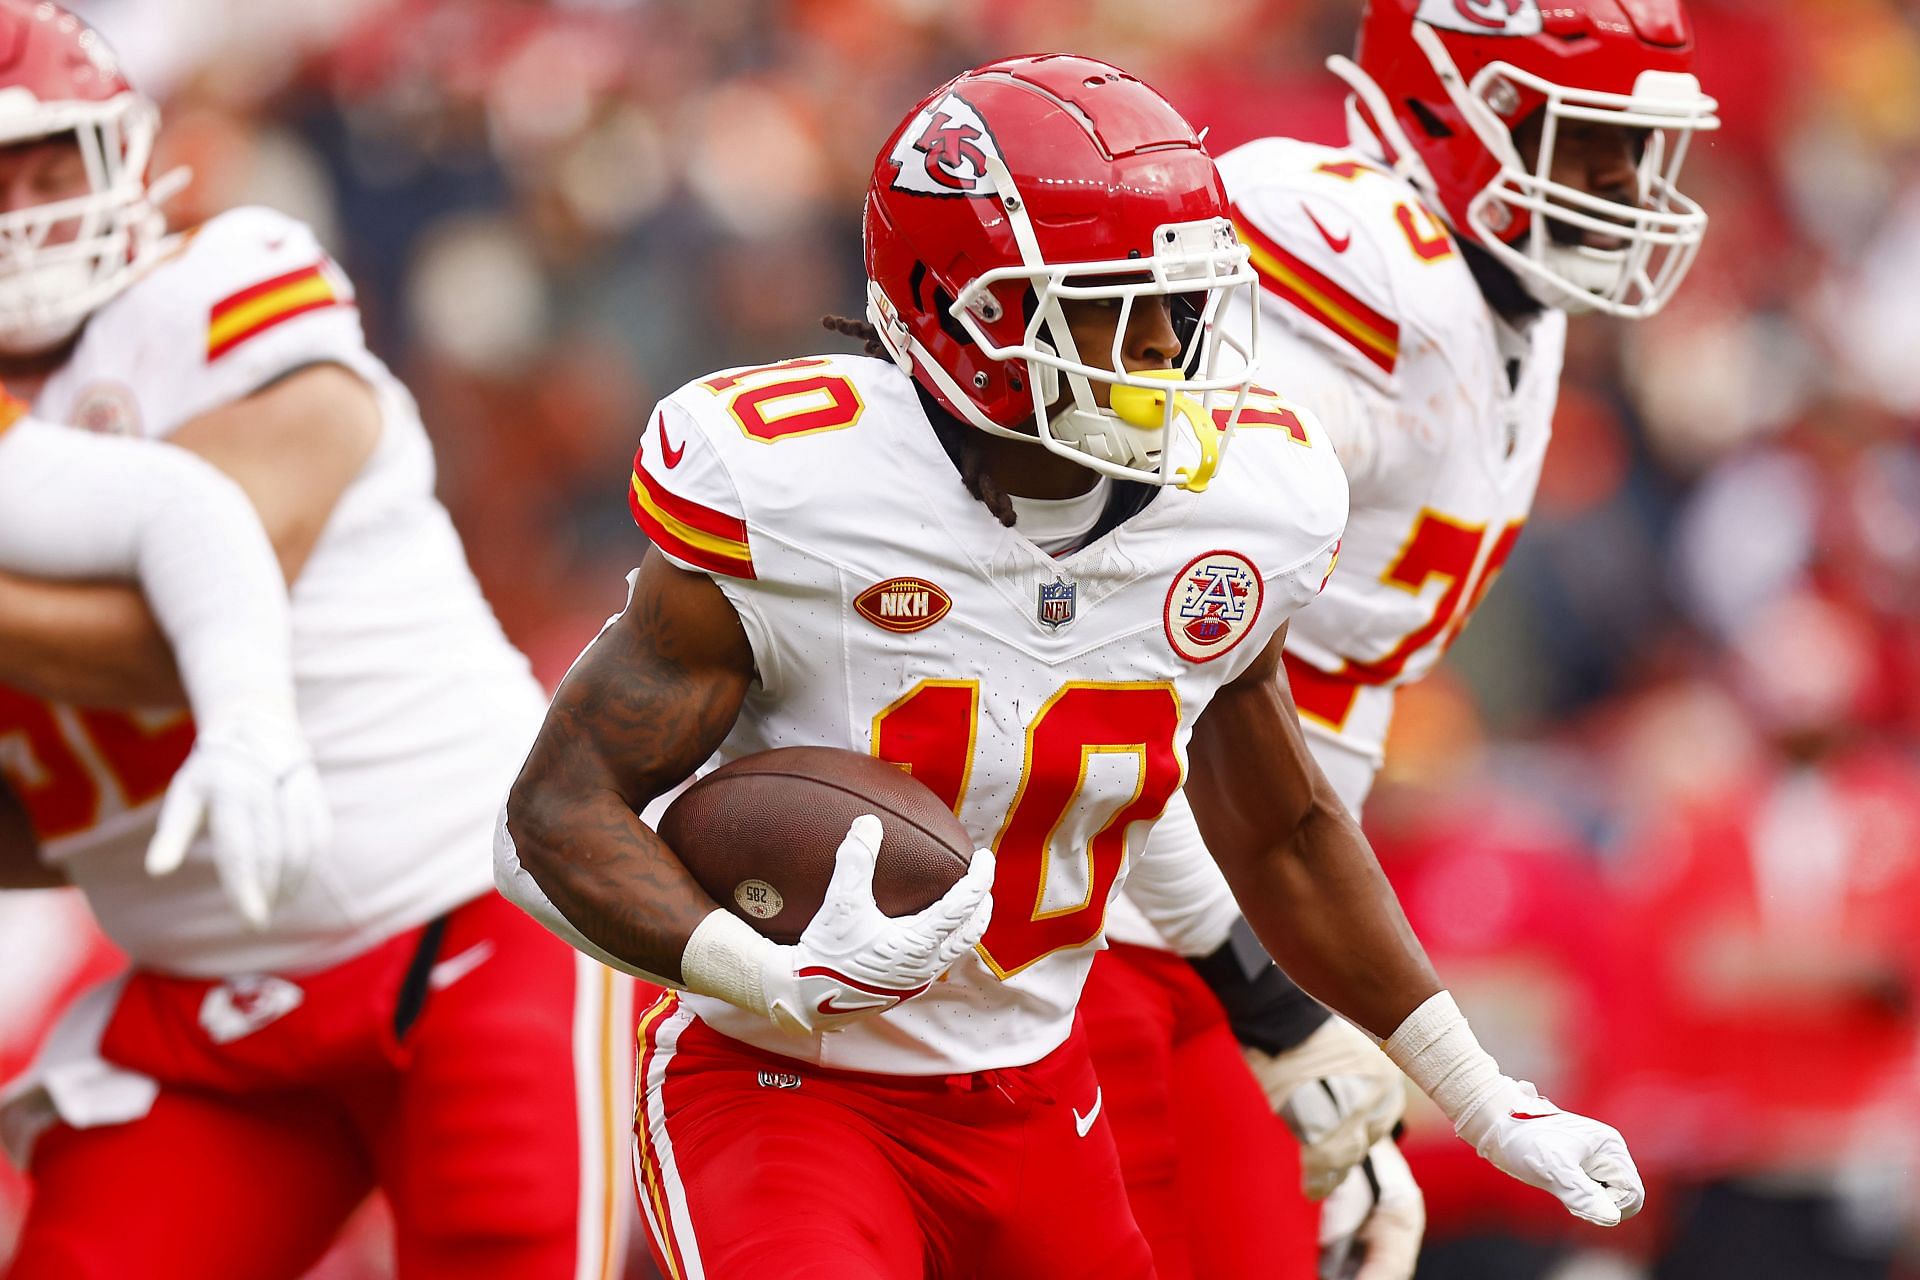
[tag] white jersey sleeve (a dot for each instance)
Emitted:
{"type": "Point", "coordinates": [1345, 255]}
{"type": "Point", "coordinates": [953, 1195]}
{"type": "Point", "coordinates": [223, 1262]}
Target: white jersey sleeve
{"type": "Point", "coordinates": [683, 498]}
{"type": "Point", "coordinates": [243, 301]}
{"type": "Point", "coordinates": [74, 505]}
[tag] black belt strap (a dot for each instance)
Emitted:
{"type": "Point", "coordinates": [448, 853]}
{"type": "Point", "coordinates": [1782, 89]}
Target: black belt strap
{"type": "Point", "coordinates": [413, 987]}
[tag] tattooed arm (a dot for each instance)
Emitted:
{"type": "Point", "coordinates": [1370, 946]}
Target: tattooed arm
{"type": "Point", "coordinates": [644, 706]}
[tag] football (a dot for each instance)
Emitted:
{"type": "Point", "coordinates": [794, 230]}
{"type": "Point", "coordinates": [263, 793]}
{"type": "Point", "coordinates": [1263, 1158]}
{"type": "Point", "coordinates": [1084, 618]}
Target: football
{"type": "Point", "coordinates": [760, 834]}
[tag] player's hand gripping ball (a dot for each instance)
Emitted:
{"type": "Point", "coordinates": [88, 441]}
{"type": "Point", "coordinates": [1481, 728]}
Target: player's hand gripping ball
{"type": "Point", "coordinates": [760, 834]}
{"type": "Point", "coordinates": [866, 872]}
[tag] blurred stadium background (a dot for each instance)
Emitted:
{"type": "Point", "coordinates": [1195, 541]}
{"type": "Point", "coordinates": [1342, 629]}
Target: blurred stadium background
{"type": "Point", "coordinates": [1658, 817]}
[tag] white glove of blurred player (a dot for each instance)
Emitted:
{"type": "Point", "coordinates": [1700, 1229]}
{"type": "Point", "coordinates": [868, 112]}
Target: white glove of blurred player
{"type": "Point", "coordinates": [852, 961]}
{"type": "Point", "coordinates": [1370, 1227]}
{"type": "Point", "coordinates": [1581, 1162]}
{"type": "Point", "coordinates": [1338, 1093]}
{"type": "Point", "coordinates": [255, 788]}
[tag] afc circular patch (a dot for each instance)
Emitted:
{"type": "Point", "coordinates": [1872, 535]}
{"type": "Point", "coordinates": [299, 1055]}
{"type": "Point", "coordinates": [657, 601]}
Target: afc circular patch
{"type": "Point", "coordinates": [106, 408]}
{"type": "Point", "coordinates": [1212, 604]}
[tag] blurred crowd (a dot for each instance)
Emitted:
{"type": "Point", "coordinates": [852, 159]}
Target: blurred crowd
{"type": "Point", "coordinates": [1658, 817]}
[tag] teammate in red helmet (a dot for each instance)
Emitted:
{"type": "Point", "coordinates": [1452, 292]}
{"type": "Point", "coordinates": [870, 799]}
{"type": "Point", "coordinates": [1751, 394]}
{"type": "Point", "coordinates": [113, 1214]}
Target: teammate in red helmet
{"type": "Point", "coordinates": [1512, 162]}
{"type": "Point", "coordinates": [1060, 434]}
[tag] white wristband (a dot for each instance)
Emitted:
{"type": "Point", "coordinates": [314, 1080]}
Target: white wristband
{"type": "Point", "coordinates": [1437, 1050]}
{"type": "Point", "coordinates": [725, 959]}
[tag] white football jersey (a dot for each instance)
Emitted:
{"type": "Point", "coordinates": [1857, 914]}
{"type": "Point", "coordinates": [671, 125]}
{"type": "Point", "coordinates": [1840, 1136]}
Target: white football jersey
{"type": "Point", "coordinates": [417, 708]}
{"type": "Point", "coordinates": [1441, 414]}
{"type": "Point", "coordinates": [1047, 700]}
{"type": "Point", "coordinates": [1440, 411]}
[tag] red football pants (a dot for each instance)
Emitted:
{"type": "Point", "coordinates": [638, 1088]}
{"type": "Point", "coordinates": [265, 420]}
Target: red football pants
{"type": "Point", "coordinates": [1213, 1174]}
{"type": "Point", "coordinates": [493, 1126]}
{"type": "Point", "coordinates": [752, 1166]}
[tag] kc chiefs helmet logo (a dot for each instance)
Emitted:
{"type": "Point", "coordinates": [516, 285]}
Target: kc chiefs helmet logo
{"type": "Point", "coordinates": [1484, 17]}
{"type": "Point", "coordinates": [954, 157]}
{"type": "Point", "coordinates": [944, 151]}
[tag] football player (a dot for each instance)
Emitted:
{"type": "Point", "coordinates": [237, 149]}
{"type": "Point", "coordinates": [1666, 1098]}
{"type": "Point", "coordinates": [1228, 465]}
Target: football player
{"type": "Point", "coordinates": [1512, 163]}
{"type": "Point", "coordinates": [1048, 253]}
{"type": "Point", "coordinates": [222, 1107]}
{"type": "Point", "coordinates": [74, 506]}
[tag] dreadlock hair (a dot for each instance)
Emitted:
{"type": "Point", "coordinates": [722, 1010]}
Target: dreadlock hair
{"type": "Point", "coordinates": [962, 442]}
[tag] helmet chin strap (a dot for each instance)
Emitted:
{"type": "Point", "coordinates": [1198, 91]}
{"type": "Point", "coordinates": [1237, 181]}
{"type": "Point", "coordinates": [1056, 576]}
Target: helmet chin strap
{"type": "Point", "coordinates": [1594, 273]}
{"type": "Point", "coordinates": [1132, 433]}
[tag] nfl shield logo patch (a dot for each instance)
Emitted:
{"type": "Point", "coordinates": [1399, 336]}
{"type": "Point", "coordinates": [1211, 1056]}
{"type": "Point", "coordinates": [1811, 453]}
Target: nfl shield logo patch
{"type": "Point", "coordinates": [1056, 603]}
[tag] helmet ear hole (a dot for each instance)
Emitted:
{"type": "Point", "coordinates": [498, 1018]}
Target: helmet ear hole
{"type": "Point", "coordinates": [949, 325]}
{"type": "Point", "coordinates": [1429, 120]}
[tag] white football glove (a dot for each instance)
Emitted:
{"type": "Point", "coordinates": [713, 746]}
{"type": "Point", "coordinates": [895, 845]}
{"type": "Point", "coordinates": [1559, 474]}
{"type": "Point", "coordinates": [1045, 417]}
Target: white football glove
{"type": "Point", "coordinates": [1581, 1162]}
{"type": "Point", "coordinates": [255, 787]}
{"type": "Point", "coordinates": [852, 961]}
{"type": "Point", "coordinates": [1371, 1226]}
{"type": "Point", "coordinates": [1338, 1093]}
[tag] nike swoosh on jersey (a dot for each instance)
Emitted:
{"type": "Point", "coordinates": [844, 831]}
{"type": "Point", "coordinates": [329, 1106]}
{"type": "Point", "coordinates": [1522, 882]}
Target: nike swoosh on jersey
{"type": "Point", "coordinates": [670, 455]}
{"type": "Point", "coordinates": [1083, 1125]}
{"type": "Point", "coordinates": [1518, 1115]}
{"type": "Point", "coordinates": [1339, 245]}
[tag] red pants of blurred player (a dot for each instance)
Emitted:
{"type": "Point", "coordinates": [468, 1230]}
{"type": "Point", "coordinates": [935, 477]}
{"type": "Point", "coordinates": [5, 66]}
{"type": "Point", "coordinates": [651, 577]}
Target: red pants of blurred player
{"type": "Point", "coordinates": [492, 1125]}
{"type": "Point", "coordinates": [757, 1167]}
{"type": "Point", "coordinates": [1213, 1174]}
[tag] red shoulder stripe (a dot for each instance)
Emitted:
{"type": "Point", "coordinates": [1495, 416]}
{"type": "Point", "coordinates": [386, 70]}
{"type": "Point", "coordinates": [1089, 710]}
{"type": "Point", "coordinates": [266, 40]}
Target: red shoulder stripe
{"type": "Point", "coordinates": [697, 534]}
{"type": "Point", "coordinates": [1292, 279]}
{"type": "Point", "coordinates": [259, 307]}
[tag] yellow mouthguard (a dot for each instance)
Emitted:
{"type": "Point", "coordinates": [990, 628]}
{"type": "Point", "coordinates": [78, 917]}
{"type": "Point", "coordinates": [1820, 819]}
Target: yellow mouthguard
{"type": "Point", "coordinates": [1146, 408]}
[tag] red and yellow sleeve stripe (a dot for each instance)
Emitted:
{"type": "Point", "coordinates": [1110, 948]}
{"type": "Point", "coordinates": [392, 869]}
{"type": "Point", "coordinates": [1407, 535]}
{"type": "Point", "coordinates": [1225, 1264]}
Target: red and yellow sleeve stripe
{"type": "Point", "coordinates": [699, 535]}
{"type": "Point", "coordinates": [258, 308]}
{"type": "Point", "coordinates": [1288, 277]}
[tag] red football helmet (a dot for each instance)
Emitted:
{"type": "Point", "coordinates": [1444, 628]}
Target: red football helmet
{"type": "Point", "coordinates": [57, 77]}
{"type": "Point", "coordinates": [1442, 84]}
{"type": "Point", "coordinates": [1037, 179]}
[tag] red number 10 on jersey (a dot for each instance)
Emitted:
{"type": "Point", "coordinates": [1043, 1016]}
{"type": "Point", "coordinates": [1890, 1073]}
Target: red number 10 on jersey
{"type": "Point", "coordinates": [930, 732]}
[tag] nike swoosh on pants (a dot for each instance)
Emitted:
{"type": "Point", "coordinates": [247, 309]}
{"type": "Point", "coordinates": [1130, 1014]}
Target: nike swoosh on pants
{"type": "Point", "coordinates": [1083, 1125]}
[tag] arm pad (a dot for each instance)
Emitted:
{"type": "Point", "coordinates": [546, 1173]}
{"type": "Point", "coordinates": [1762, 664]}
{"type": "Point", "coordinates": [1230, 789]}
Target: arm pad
{"type": "Point", "coordinates": [74, 505]}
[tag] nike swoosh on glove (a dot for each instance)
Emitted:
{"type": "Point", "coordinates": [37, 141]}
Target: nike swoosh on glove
{"type": "Point", "coordinates": [853, 961]}
{"type": "Point", "coordinates": [255, 788]}
{"type": "Point", "coordinates": [1581, 1161]}
{"type": "Point", "coordinates": [1338, 1093]}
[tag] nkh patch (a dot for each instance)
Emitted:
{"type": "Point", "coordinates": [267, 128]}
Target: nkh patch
{"type": "Point", "coordinates": [1483, 17]}
{"type": "Point", "coordinates": [943, 151]}
{"type": "Point", "coordinates": [1057, 602]}
{"type": "Point", "coordinates": [1212, 604]}
{"type": "Point", "coordinates": [903, 604]}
